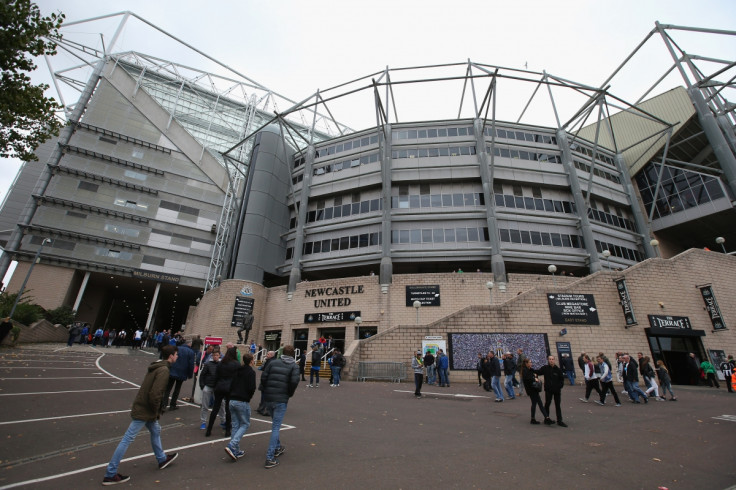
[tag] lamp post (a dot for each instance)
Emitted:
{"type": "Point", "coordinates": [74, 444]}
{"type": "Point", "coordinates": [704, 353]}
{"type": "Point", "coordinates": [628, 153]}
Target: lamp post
{"type": "Point", "coordinates": [655, 243]}
{"type": "Point", "coordinates": [552, 269]}
{"type": "Point", "coordinates": [417, 305]}
{"type": "Point", "coordinates": [36, 260]}
{"type": "Point", "coordinates": [489, 285]}
{"type": "Point", "coordinates": [358, 321]}
{"type": "Point", "coordinates": [607, 255]}
{"type": "Point", "coordinates": [720, 241]}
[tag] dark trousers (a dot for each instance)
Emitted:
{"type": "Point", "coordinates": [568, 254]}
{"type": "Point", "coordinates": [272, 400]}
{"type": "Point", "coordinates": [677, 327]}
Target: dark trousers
{"type": "Point", "coordinates": [590, 385]}
{"type": "Point", "coordinates": [548, 397]}
{"type": "Point", "coordinates": [712, 380]}
{"type": "Point", "coordinates": [536, 400]}
{"type": "Point", "coordinates": [728, 384]}
{"type": "Point", "coordinates": [608, 387]}
{"type": "Point", "coordinates": [176, 384]}
{"type": "Point", "coordinates": [480, 381]}
{"type": "Point", "coordinates": [418, 380]}
{"type": "Point", "coordinates": [219, 397]}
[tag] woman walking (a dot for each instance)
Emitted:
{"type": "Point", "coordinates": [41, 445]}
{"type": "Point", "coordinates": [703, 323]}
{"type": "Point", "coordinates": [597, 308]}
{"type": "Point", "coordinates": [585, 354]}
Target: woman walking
{"type": "Point", "coordinates": [606, 383]}
{"type": "Point", "coordinates": [224, 375]}
{"type": "Point", "coordinates": [665, 381]}
{"type": "Point", "coordinates": [529, 377]}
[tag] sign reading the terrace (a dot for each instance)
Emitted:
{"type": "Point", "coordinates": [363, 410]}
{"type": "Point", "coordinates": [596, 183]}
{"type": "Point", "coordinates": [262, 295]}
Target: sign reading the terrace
{"type": "Point", "coordinates": [569, 309]}
{"type": "Point", "coordinates": [671, 322]}
{"type": "Point", "coordinates": [711, 306]}
{"type": "Point", "coordinates": [625, 300]}
{"type": "Point", "coordinates": [156, 276]}
{"type": "Point", "coordinates": [339, 316]}
{"type": "Point", "coordinates": [243, 306]}
{"type": "Point", "coordinates": [426, 295]}
{"type": "Point", "coordinates": [325, 296]}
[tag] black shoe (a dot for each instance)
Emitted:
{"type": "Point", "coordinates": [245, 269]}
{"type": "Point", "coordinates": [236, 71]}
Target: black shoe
{"type": "Point", "coordinates": [270, 463]}
{"type": "Point", "coordinates": [534, 422]}
{"type": "Point", "coordinates": [646, 400]}
{"type": "Point", "coordinates": [173, 407]}
{"type": "Point", "coordinates": [561, 423]}
{"type": "Point", "coordinates": [279, 451]}
{"type": "Point", "coordinates": [549, 421]}
{"type": "Point", "coordinates": [114, 480]}
{"type": "Point", "coordinates": [169, 459]}
{"type": "Point", "coordinates": [208, 433]}
{"type": "Point", "coordinates": [227, 433]}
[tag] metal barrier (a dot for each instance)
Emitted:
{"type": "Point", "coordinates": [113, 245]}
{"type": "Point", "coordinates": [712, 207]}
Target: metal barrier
{"type": "Point", "coordinates": [394, 371]}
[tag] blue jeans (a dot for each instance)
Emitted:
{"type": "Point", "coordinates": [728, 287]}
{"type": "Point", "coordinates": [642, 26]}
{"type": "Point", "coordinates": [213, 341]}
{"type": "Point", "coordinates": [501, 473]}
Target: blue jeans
{"type": "Point", "coordinates": [240, 420]}
{"type": "Point", "coordinates": [496, 385]}
{"type": "Point", "coordinates": [279, 410]}
{"type": "Point", "coordinates": [632, 388]}
{"type": "Point", "coordinates": [570, 376]}
{"type": "Point", "coordinates": [431, 374]}
{"type": "Point", "coordinates": [444, 380]}
{"type": "Point", "coordinates": [336, 375]}
{"type": "Point", "coordinates": [313, 373]}
{"type": "Point", "coordinates": [133, 429]}
{"type": "Point", "coordinates": [509, 383]}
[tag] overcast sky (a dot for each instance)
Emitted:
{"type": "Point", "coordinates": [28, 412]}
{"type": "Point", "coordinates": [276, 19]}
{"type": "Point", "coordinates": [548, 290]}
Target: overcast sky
{"type": "Point", "coordinates": [297, 47]}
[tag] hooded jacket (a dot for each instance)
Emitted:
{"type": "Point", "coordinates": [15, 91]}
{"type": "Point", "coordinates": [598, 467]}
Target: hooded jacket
{"type": "Point", "coordinates": [243, 385]}
{"type": "Point", "coordinates": [147, 403]}
{"type": "Point", "coordinates": [183, 368]}
{"type": "Point", "coordinates": [280, 380]}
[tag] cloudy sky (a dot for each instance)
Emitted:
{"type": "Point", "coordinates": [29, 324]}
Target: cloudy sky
{"type": "Point", "coordinates": [297, 47]}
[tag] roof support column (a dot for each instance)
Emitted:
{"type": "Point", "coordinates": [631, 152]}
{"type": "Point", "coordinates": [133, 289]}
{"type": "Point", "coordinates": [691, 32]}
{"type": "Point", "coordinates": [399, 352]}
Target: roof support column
{"type": "Point", "coordinates": [580, 203]}
{"type": "Point", "coordinates": [486, 177]}
{"type": "Point", "coordinates": [295, 276]}
{"type": "Point", "coordinates": [715, 137]}
{"type": "Point", "coordinates": [386, 269]}
{"type": "Point", "coordinates": [642, 224]}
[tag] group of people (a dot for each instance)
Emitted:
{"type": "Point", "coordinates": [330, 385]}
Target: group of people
{"type": "Point", "coordinates": [232, 380]}
{"type": "Point", "coordinates": [335, 361]}
{"type": "Point", "coordinates": [437, 368]}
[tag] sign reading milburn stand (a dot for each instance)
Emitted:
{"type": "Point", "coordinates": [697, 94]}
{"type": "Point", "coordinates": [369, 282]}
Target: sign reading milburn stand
{"type": "Point", "coordinates": [426, 295]}
{"type": "Point", "coordinates": [339, 316]}
{"type": "Point", "coordinates": [156, 276]}
{"type": "Point", "coordinates": [569, 309]}
{"type": "Point", "coordinates": [243, 306]}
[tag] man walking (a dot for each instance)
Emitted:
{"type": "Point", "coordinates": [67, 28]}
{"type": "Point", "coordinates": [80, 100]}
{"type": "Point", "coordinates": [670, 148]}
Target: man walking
{"type": "Point", "coordinates": [554, 381]}
{"type": "Point", "coordinates": [241, 391]}
{"type": "Point", "coordinates": [146, 411]}
{"type": "Point", "coordinates": [181, 370]}
{"type": "Point", "coordinates": [279, 381]}
{"type": "Point", "coordinates": [727, 370]}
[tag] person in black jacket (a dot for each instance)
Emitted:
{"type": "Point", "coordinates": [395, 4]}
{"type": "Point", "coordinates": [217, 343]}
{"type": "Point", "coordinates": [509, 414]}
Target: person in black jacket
{"type": "Point", "coordinates": [554, 380]}
{"type": "Point", "coordinates": [279, 382]}
{"type": "Point", "coordinates": [314, 370]}
{"type": "Point", "coordinates": [529, 377]}
{"type": "Point", "coordinates": [207, 379]}
{"type": "Point", "coordinates": [224, 377]}
{"type": "Point", "coordinates": [302, 364]}
{"type": "Point", "coordinates": [241, 391]}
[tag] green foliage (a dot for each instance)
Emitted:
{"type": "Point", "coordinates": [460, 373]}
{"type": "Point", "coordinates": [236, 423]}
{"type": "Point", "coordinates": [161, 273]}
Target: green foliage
{"type": "Point", "coordinates": [63, 315]}
{"type": "Point", "coordinates": [14, 334]}
{"type": "Point", "coordinates": [27, 117]}
{"type": "Point", "coordinates": [26, 312]}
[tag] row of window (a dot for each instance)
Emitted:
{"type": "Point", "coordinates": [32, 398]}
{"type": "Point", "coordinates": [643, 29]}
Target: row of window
{"type": "Point", "coordinates": [440, 235]}
{"type": "Point", "coordinates": [445, 151]}
{"type": "Point", "coordinates": [336, 244]}
{"type": "Point", "coordinates": [345, 164]}
{"type": "Point", "coordinates": [341, 211]}
{"type": "Point", "coordinates": [521, 136]}
{"type": "Point", "coordinates": [535, 204]}
{"type": "Point", "coordinates": [116, 254]}
{"type": "Point", "coordinates": [619, 251]}
{"type": "Point", "coordinates": [458, 200]}
{"type": "Point", "coordinates": [412, 134]}
{"type": "Point", "coordinates": [345, 146]}
{"type": "Point", "coordinates": [541, 238]}
{"type": "Point", "coordinates": [611, 219]}
{"type": "Point", "coordinates": [597, 172]}
{"type": "Point", "coordinates": [589, 153]}
{"type": "Point", "coordinates": [680, 189]}
{"type": "Point", "coordinates": [122, 230]}
{"type": "Point", "coordinates": [501, 151]}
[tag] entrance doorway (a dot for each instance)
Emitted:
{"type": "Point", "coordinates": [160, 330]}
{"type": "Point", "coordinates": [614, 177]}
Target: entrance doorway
{"type": "Point", "coordinates": [301, 340]}
{"type": "Point", "coordinates": [338, 336]}
{"type": "Point", "coordinates": [674, 351]}
{"type": "Point", "coordinates": [272, 340]}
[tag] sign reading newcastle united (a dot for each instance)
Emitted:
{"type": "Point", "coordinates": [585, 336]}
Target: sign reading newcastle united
{"type": "Point", "coordinates": [426, 295]}
{"type": "Point", "coordinates": [326, 296]}
{"type": "Point", "coordinates": [569, 309]}
{"type": "Point", "coordinates": [243, 306]}
{"type": "Point", "coordinates": [711, 306]}
{"type": "Point", "coordinates": [625, 301]}
{"type": "Point", "coordinates": [339, 316]}
{"type": "Point", "coordinates": [670, 322]}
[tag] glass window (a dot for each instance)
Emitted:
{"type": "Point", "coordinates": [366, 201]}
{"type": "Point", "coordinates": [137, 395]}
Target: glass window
{"type": "Point", "coordinates": [538, 204]}
{"type": "Point", "coordinates": [328, 213]}
{"type": "Point", "coordinates": [426, 236]}
{"type": "Point", "coordinates": [444, 152]}
{"type": "Point", "coordinates": [307, 248]}
{"type": "Point", "coordinates": [431, 133]}
{"type": "Point", "coordinates": [311, 215]}
{"type": "Point", "coordinates": [425, 198]}
{"type": "Point", "coordinates": [338, 211]}
{"type": "Point", "coordinates": [394, 236]}
{"type": "Point", "coordinates": [325, 246]}
{"type": "Point", "coordinates": [457, 200]}
{"type": "Point", "coordinates": [403, 236]}
{"type": "Point", "coordinates": [515, 236]}
{"type": "Point", "coordinates": [566, 241]}
{"type": "Point", "coordinates": [438, 235]}
{"type": "Point", "coordinates": [536, 238]}
{"type": "Point", "coordinates": [412, 134]}
{"type": "Point", "coordinates": [416, 236]}
{"type": "Point", "coordinates": [436, 200]}
{"type": "Point", "coordinates": [446, 200]}
{"type": "Point", "coordinates": [344, 242]}
{"type": "Point", "coordinates": [558, 206]}
{"type": "Point", "coordinates": [574, 241]}
{"type": "Point", "coordinates": [519, 202]}
{"type": "Point", "coordinates": [529, 202]}
{"type": "Point", "coordinates": [451, 131]}
{"type": "Point", "coordinates": [433, 152]}
{"type": "Point", "coordinates": [473, 234]}
{"type": "Point", "coordinates": [525, 237]}
{"type": "Point", "coordinates": [423, 153]}
{"type": "Point", "coordinates": [509, 201]}
{"type": "Point", "coordinates": [335, 244]}
{"type": "Point", "coordinates": [461, 235]}
{"type": "Point", "coordinates": [354, 241]}
{"type": "Point", "coordinates": [469, 199]}
{"type": "Point", "coordinates": [374, 239]}
{"type": "Point", "coordinates": [449, 234]}
{"type": "Point", "coordinates": [375, 204]}
{"type": "Point", "coordinates": [499, 200]}
{"type": "Point", "coordinates": [413, 201]}
{"type": "Point", "coordinates": [454, 151]}
{"type": "Point", "coordinates": [556, 240]}
{"type": "Point", "coordinates": [365, 206]}
{"type": "Point", "coordinates": [442, 132]}
{"type": "Point", "coordinates": [546, 240]}
{"type": "Point", "coordinates": [346, 209]}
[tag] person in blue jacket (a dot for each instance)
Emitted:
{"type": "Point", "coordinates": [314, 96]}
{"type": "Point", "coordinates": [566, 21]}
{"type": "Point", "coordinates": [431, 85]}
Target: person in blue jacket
{"type": "Point", "coordinates": [180, 371]}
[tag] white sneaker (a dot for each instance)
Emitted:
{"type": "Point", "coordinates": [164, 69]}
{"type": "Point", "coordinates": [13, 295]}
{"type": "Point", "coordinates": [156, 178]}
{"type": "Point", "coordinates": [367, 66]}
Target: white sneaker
{"type": "Point", "coordinates": [310, 386]}
{"type": "Point", "coordinates": [584, 400]}
{"type": "Point", "coordinates": [332, 386]}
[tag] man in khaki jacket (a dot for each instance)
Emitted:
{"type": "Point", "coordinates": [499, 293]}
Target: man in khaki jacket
{"type": "Point", "coordinates": [146, 411]}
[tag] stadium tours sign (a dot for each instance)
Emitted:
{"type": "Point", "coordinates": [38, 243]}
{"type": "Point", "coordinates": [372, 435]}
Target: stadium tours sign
{"type": "Point", "coordinates": [568, 309]}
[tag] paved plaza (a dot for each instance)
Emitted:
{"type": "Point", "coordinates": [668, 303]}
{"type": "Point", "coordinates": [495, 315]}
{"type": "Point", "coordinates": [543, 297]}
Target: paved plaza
{"type": "Point", "coordinates": [65, 409]}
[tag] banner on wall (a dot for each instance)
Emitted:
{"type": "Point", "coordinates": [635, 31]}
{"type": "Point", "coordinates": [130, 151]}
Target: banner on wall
{"type": "Point", "coordinates": [711, 306]}
{"type": "Point", "coordinates": [433, 344]}
{"type": "Point", "coordinates": [625, 301]}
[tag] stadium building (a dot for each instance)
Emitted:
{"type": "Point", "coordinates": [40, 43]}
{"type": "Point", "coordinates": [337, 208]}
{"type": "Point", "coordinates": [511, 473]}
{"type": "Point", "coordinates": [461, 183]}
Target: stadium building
{"type": "Point", "coordinates": [175, 198]}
